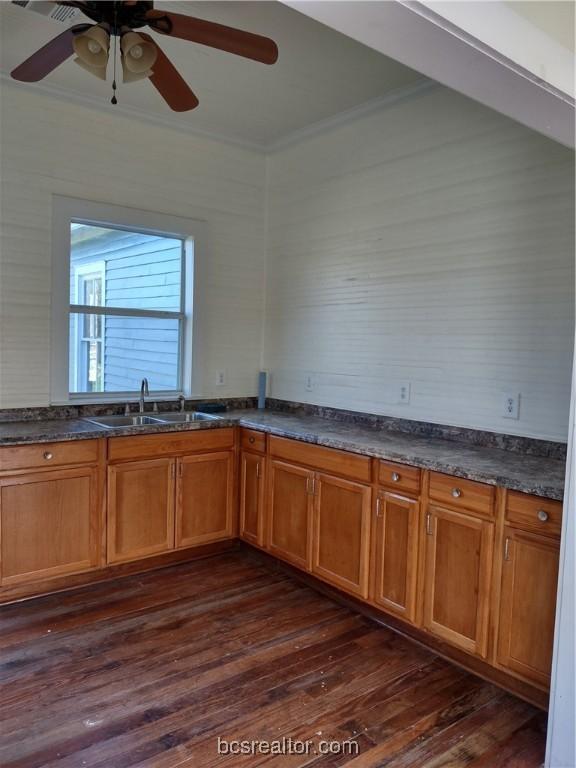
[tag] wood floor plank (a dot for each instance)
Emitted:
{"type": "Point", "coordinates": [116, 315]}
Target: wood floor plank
{"type": "Point", "coordinates": [149, 670]}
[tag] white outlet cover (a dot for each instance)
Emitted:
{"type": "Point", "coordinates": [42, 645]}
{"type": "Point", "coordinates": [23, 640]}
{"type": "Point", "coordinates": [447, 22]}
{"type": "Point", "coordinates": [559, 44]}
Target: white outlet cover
{"type": "Point", "coordinates": [511, 406]}
{"type": "Point", "coordinates": [403, 392]}
{"type": "Point", "coordinates": [220, 378]}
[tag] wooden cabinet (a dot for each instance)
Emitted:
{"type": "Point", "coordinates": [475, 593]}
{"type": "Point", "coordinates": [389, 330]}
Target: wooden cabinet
{"type": "Point", "coordinates": [140, 509]}
{"type": "Point", "coordinates": [528, 605]}
{"type": "Point", "coordinates": [341, 532]}
{"type": "Point", "coordinates": [50, 524]}
{"type": "Point", "coordinates": [457, 578]}
{"type": "Point", "coordinates": [205, 498]}
{"type": "Point", "coordinates": [395, 563]}
{"type": "Point", "coordinates": [252, 484]}
{"type": "Point", "coordinates": [289, 534]}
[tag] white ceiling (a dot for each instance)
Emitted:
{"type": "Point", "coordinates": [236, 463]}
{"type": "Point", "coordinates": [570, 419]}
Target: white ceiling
{"type": "Point", "coordinates": [320, 73]}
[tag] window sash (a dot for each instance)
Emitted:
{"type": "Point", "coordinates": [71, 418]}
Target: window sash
{"type": "Point", "coordinates": [191, 233]}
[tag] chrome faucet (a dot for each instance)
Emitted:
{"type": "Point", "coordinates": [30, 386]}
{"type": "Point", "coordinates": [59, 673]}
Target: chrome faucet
{"type": "Point", "coordinates": [144, 392]}
{"type": "Point", "coordinates": [182, 402]}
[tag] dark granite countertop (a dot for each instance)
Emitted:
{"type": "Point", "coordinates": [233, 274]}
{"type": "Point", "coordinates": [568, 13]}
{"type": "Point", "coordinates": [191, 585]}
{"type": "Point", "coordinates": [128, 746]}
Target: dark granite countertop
{"type": "Point", "coordinates": [530, 474]}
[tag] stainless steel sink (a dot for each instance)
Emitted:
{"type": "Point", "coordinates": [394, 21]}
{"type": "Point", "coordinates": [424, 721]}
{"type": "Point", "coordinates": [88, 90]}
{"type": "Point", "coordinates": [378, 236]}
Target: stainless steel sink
{"type": "Point", "coordinates": [137, 420]}
{"type": "Point", "coordinates": [187, 416]}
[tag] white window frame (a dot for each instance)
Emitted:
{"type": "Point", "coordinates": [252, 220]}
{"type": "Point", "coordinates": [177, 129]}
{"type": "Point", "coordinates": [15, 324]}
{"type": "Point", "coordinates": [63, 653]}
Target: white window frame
{"type": "Point", "coordinates": [80, 273]}
{"type": "Point", "coordinates": [67, 210]}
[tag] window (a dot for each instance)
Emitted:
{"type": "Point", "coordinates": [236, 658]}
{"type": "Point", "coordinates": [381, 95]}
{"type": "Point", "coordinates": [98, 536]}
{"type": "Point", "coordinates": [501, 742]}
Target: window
{"type": "Point", "coordinates": [126, 314]}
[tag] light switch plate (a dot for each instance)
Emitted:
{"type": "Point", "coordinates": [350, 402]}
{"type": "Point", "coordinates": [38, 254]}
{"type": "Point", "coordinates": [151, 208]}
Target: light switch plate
{"type": "Point", "coordinates": [403, 391]}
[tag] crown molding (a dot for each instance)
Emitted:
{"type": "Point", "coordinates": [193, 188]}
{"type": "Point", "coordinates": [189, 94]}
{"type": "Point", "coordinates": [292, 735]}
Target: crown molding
{"type": "Point", "coordinates": [396, 96]}
{"type": "Point", "coordinates": [103, 105]}
{"type": "Point", "coordinates": [389, 99]}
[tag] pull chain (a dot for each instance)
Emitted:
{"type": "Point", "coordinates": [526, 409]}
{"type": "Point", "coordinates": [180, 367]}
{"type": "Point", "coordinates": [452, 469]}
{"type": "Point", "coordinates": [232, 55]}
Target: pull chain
{"type": "Point", "coordinates": [114, 100]}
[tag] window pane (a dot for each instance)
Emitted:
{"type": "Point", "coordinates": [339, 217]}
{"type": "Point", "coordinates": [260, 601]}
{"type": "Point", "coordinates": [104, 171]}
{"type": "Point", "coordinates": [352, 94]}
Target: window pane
{"type": "Point", "coordinates": [114, 353]}
{"type": "Point", "coordinates": [130, 270]}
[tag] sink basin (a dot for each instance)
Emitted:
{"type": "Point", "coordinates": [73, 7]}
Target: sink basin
{"type": "Point", "coordinates": [183, 418]}
{"type": "Point", "coordinates": [136, 420]}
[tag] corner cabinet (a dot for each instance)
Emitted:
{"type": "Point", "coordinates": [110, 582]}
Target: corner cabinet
{"type": "Point", "coordinates": [252, 485]}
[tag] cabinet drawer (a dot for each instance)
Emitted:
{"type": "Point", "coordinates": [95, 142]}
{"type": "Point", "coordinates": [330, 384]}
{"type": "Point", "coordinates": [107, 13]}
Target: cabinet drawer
{"type": "Point", "coordinates": [252, 440]}
{"type": "Point", "coordinates": [400, 477]}
{"type": "Point", "coordinates": [462, 494]}
{"type": "Point", "coordinates": [327, 459]}
{"type": "Point", "coordinates": [533, 513]}
{"type": "Point", "coordinates": [48, 455]}
{"type": "Point", "coordinates": [170, 444]}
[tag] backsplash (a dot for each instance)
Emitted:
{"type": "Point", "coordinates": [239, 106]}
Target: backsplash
{"type": "Point", "coordinates": [524, 445]}
{"type": "Point", "coordinates": [110, 409]}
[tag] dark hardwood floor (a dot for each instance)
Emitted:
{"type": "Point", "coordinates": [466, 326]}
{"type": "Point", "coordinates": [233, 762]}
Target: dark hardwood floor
{"type": "Point", "coordinates": [150, 670]}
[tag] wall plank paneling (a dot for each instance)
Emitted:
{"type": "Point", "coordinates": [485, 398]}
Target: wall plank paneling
{"type": "Point", "coordinates": [50, 146]}
{"type": "Point", "coordinates": [430, 243]}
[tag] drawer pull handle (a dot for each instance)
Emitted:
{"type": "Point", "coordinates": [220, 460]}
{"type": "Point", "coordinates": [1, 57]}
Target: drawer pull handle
{"type": "Point", "coordinates": [456, 492]}
{"type": "Point", "coordinates": [48, 455]}
{"type": "Point", "coordinates": [542, 515]}
{"type": "Point", "coordinates": [395, 477]}
{"type": "Point", "coordinates": [251, 439]}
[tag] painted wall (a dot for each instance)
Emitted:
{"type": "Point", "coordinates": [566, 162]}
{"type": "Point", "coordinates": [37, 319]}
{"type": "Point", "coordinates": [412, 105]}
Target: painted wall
{"type": "Point", "coordinates": [429, 244]}
{"type": "Point", "coordinates": [52, 147]}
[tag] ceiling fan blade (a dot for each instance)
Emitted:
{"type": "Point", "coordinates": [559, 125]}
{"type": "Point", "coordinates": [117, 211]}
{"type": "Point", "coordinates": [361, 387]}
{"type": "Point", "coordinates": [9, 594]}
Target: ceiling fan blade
{"type": "Point", "coordinates": [236, 41]}
{"type": "Point", "coordinates": [50, 56]}
{"type": "Point", "coordinates": [169, 83]}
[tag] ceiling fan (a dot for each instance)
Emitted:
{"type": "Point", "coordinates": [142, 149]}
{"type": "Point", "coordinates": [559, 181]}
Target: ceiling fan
{"type": "Point", "coordinates": [141, 55]}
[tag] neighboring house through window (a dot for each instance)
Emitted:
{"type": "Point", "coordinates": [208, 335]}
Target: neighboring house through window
{"type": "Point", "coordinates": [128, 308]}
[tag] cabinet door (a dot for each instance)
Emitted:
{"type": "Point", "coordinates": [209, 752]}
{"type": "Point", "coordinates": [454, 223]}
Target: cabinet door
{"type": "Point", "coordinates": [49, 524]}
{"type": "Point", "coordinates": [251, 497]}
{"type": "Point", "coordinates": [140, 509]}
{"type": "Point", "coordinates": [457, 578]}
{"type": "Point", "coordinates": [290, 513]}
{"type": "Point", "coordinates": [341, 535]}
{"type": "Point", "coordinates": [205, 499]}
{"type": "Point", "coordinates": [528, 605]}
{"type": "Point", "coordinates": [396, 555]}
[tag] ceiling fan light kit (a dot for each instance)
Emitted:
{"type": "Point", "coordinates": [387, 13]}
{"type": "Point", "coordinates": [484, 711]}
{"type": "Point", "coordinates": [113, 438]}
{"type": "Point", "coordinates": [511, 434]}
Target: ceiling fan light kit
{"type": "Point", "coordinates": [141, 56]}
{"type": "Point", "coordinates": [92, 50]}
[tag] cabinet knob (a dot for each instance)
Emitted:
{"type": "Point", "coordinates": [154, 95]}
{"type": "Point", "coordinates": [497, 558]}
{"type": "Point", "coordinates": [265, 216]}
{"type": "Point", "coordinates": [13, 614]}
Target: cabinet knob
{"type": "Point", "coordinates": [251, 439]}
{"type": "Point", "coordinates": [48, 455]}
{"type": "Point", "coordinates": [395, 477]}
{"type": "Point", "coordinates": [542, 515]}
{"type": "Point", "coordinates": [456, 492]}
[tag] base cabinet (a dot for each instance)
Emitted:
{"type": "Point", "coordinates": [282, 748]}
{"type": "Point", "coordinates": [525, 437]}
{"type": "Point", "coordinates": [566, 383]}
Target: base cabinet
{"type": "Point", "coordinates": [140, 509]}
{"type": "Point", "coordinates": [341, 533]}
{"type": "Point", "coordinates": [252, 485]}
{"type": "Point", "coordinates": [395, 564]}
{"type": "Point", "coordinates": [290, 513]}
{"type": "Point", "coordinates": [457, 576]}
{"type": "Point", "coordinates": [50, 524]}
{"type": "Point", "coordinates": [528, 605]}
{"type": "Point", "coordinates": [205, 498]}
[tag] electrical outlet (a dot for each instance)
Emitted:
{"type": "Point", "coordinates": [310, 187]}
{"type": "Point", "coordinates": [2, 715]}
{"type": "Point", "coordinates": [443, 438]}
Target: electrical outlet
{"type": "Point", "coordinates": [403, 393]}
{"type": "Point", "coordinates": [310, 382]}
{"type": "Point", "coordinates": [511, 406]}
{"type": "Point", "coordinates": [221, 378]}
